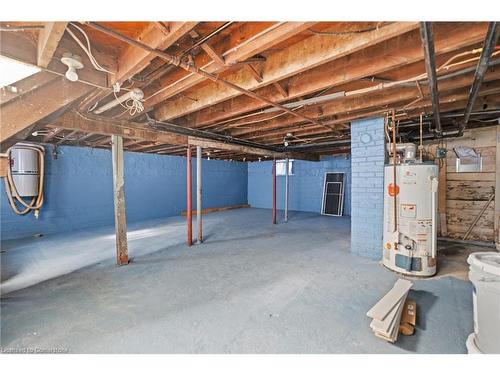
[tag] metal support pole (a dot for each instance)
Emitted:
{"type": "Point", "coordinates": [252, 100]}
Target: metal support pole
{"type": "Point", "coordinates": [274, 191]}
{"type": "Point", "coordinates": [286, 189]}
{"type": "Point", "coordinates": [189, 216]}
{"type": "Point", "coordinates": [119, 199]}
{"type": "Point", "coordinates": [488, 48]}
{"type": "Point", "coordinates": [198, 193]}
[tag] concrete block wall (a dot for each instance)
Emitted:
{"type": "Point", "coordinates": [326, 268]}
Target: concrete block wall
{"type": "Point", "coordinates": [306, 184]}
{"type": "Point", "coordinates": [367, 168]}
{"type": "Point", "coordinates": [79, 190]}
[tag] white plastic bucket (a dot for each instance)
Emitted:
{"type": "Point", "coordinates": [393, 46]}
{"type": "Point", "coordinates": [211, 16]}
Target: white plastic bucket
{"type": "Point", "coordinates": [484, 273]}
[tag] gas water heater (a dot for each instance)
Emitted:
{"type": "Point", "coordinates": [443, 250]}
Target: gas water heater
{"type": "Point", "coordinates": [410, 215]}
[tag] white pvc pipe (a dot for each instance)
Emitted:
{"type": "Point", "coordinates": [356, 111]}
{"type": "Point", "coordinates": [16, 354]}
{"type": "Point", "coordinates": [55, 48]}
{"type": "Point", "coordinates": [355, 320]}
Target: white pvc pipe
{"type": "Point", "coordinates": [434, 189]}
{"type": "Point", "coordinates": [135, 94]}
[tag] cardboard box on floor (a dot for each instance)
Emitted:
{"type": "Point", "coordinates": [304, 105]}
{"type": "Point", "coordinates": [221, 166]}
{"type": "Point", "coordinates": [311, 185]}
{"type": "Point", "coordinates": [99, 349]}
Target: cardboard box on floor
{"type": "Point", "coordinates": [408, 318]}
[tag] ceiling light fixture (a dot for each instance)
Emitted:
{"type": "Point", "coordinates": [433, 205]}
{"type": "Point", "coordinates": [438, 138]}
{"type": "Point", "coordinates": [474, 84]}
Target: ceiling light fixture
{"type": "Point", "coordinates": [73, 62]}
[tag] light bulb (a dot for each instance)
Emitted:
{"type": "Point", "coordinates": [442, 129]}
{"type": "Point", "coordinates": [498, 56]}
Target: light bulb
{"type": "Point", "coordinates": [71, 74]}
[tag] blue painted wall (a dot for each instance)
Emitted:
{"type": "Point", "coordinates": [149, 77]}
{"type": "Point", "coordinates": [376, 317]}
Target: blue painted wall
{"type": "Point", "coordinates": [306, 184]}
{"type": "Point", "coordinates": [368, 158]}
{"type": "Point", "coordinates": [79, 190]}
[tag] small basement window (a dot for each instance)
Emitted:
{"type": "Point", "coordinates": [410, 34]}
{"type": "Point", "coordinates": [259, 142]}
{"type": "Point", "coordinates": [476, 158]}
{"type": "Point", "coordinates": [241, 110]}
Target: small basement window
{"type": "Point", "coordinates": [281, 167]}
{"type": "Point", "coordinates": [12, 71]}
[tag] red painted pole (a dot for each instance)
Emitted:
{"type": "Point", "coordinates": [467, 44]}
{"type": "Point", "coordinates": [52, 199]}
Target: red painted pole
{"type": "Point", "coordinates": [189, 216]}
{"type": "Point", "coordinates": [274, 191]}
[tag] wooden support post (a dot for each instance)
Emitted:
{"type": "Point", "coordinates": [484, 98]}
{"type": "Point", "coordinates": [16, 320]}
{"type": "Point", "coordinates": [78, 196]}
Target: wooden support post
{"type": "Point", "coordinates": [274, 191]}
{"type": "Point", "coordinates": [119, 198]}
{"type": "Point", "coordinates": [189, 216]}
{"type": "Point", "coordinates": [198, 193]}
{"type": "Point", "coordinates": [286, 189]}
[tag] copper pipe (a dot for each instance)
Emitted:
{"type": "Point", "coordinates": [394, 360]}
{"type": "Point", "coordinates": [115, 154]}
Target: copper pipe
{"type": "Point", "coordinates": [193, 69]}
{"type": "Point", "coordinates": [189, 214]}
{"type": "Point", "coordinates": [274, 191]}
{"type": "Point", "coordinates": [421, 147]}
{"type": "Point", "coordinates": [395, 190]}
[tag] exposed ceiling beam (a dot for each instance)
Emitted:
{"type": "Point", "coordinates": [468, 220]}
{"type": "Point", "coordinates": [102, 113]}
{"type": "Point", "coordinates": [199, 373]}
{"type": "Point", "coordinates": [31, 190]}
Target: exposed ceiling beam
{"type": "Point", "coordinates": [488, 48]}
{"type": "Point", "coordinates": [48, 40]}
{"type": "Point", "coordinates": [104, 126]}
{"type": "Point", "coordinates": [255, 40]}
{"type": "Point", "coordinates": [348, 105]}
{"type": "Point", "coordinates": [51, 135]}
{"type": "Point", "coordinates": [66, 137]}
{"type": "Point", "coordinates": [338, 99]}
{"type": "Point", "coordinates": [281, 89]}
{"type": "Point", "coordinates": [297, 58]}
{"type": "Point", "coordinates": [386, 56]}
{"type": "Point", "coordinates": [133, 59]}
{"type": "Point", "coordinates": [253, 71]}
{"type": "Point", "coordinates": [99, 125]}
{"type": "Point", "coordinates": [20, 48]}
{"type": "Point", "coordinates": [18, 116]}
{"type": "Point", "coordinates": [448, 98]}
{"type": "Point", "coordinates": [217, 58]}
{"type": "Point", "coordinates": [16, 90]}
{"type": "Point", "coordinates": [193, 69]}
{"type": "Point", "coordinates": [204, 143]}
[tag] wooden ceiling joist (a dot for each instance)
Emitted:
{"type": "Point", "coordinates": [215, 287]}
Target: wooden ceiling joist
{"type": "Point", "coordinates": [387, 56]}
{"type": "Point", "coordinates": [21, 48]}
{"type": "Point", "coordinates": [231, 53]}
{"type": "Point", "coordinates": [299, 57]}
{"type": "Point", "coordinates": [204, 143]}
{"type": "Point", "coordinates": [134, 59]}
{"type": "Point", "coordinates": [239, 89]}
{"type": "Point", "coordinates": [23, 86]}
{"type": "Point", "coordinates": [18, 117]}
{"type": "Point", "coordinates": [347, 105]}
{"type": "Point", "coordinates": [126, 129]}
{"type": "Point", "coordinates": [217, 58]}
{"type": "Point", "coordinates": [48, 40]}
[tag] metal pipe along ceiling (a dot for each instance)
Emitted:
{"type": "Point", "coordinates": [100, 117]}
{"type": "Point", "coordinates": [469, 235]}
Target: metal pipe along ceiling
{"type": "Point", "coordinates": [193, 69]}
{"type": "Point", "coordinates": [482, 66]}
{"type": "Point", "coordinates": [430, 67]}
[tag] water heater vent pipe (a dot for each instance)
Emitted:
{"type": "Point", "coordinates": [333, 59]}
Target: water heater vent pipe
{"type": "Point", "coordinates": [393, 123]}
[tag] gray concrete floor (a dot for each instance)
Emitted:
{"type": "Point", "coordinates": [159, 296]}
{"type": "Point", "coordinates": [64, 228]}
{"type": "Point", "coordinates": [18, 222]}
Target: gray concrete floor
{"type": "Point", "coordinates": [251, 287]}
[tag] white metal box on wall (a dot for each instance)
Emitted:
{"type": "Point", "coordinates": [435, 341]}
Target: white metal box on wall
{"type": "Point", "coordinates": [24, 166]}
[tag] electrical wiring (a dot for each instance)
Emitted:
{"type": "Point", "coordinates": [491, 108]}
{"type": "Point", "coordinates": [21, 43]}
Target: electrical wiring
{"type": "Point", "coordinates": [133, 106]}
{"type": "Point", "coordinates": [267, 118]}
{"type": "Point", "coordinates": [87, 49]}
{"type": "Point", "coordinates": [446, 66]}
